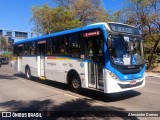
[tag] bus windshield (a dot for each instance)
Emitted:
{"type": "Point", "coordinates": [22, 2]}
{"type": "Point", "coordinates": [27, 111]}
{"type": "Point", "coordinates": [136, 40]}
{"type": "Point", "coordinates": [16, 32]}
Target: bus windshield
{"type": "Point", "coordinates": [126, 50]}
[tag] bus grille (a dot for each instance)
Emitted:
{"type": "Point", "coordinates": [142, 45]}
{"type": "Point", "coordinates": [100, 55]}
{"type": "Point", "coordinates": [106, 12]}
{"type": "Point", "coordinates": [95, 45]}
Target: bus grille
{"type": "Point", "coordinates": [130, 86]}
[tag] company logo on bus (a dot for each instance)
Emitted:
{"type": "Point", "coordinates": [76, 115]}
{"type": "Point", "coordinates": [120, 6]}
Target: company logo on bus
{"type": "Point", "coordinates": [90, 34]}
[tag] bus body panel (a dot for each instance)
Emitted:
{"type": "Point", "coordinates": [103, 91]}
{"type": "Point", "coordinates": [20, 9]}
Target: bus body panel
{"type": "Point", "coordinates": [114, 86]}
{"type": "Point", "coordinates": [31, 61]}
{"type": "Point", "coordinates": [57, 68]}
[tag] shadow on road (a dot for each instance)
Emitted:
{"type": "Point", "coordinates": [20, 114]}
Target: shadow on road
{"type": "Point", "coordinates": [93, 94]}
{"type": "Point", "coordinates": [7, 77]}
{"type": "Point", "coordinates": [76, 108]}
{"type": "Point", "coordinates": [112, 97]}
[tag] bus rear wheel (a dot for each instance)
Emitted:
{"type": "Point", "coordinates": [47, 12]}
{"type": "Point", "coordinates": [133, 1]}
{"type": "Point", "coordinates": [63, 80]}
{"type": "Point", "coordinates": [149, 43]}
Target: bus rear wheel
{"type": "Point", "coordinates": [28, 73]}
{"type": "Point", "coordinates": [75, 83]}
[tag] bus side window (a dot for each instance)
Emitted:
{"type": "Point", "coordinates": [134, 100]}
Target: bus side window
{"type": "Point", "coordinates": [33, 48]}
{"type": "Point", "coordinates": [72, 45]}
{"type": "Point", "coordinates": [26, 49]}
{"type": "Point", "coordinates": [49, 47]}
{"type": "Point", "coordinates": [58, 46]}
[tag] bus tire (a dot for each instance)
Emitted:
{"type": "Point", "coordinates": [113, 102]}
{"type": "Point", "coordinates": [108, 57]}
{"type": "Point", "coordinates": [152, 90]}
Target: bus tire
{"type": "Point", "coordinates": [75, 83]}
{"type": "Point", "coordinates": [28, 73]}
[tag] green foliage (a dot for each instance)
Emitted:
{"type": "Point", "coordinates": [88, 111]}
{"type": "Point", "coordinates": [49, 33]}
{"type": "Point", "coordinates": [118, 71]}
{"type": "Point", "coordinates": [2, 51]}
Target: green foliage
{"type": "Point", "coordinates": [145, 14]}
{"type": "Point", "coordinates": [154, 62]}
{"type": "Point", "coordinates": [10, 55]}
{"type": "Point", "coordinates": [48, 20]}
{"type": "Point", "coordinates": [4, 44]}
{"type": "Point", "coordinates": [86, 11]}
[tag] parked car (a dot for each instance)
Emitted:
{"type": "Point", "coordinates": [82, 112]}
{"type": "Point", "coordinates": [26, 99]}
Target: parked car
{"type": "Point", "coordinates": [4, 60]}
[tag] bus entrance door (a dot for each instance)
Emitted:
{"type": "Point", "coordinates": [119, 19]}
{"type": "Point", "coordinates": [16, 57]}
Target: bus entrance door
{"type": "Point", "coordinates": [19, 63]}
{"type": "Point", "coordinates": [95, 64]}
{"type": "Point", "coordinates": [42, 48]}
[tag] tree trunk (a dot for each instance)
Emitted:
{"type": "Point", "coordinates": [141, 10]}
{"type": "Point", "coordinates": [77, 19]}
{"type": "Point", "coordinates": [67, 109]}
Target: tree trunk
{"type": "Point", "coordinates": [152, 53]}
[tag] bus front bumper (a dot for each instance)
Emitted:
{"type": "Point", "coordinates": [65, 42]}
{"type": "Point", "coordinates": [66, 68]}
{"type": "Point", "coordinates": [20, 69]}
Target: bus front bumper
{"type": "Point", "coordinates": [113, 86]}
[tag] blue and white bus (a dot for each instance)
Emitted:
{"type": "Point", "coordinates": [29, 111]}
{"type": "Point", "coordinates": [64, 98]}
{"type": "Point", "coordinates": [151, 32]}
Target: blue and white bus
{"type": "Point", "coordinates": [102, 56]}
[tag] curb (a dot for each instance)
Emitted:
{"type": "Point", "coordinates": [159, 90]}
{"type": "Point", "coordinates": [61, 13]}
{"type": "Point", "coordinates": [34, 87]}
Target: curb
{"type": "Point", "coordinates": [152, 74]}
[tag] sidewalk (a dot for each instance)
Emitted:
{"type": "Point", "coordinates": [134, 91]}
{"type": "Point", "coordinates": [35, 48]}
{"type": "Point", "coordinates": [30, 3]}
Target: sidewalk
{"type": "Point", "coordinates": [152, 74]}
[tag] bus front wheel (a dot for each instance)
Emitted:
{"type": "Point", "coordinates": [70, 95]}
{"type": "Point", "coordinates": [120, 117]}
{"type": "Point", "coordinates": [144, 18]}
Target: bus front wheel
{"type": "Point", "coordinates": [28, 73]}
{"type": "Point", "coordinates": [75, 83]}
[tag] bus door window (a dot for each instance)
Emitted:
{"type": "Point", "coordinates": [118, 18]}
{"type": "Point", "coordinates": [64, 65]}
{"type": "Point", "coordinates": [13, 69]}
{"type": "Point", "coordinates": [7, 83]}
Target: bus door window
{"type": "Point", "coordinates": [100, 61]}
{"type": "Point", "coordinates": [91, 48]}
{"type": "Point", "coordinates": [95, 50]}
{"type": "Point", "coordinates": [42, 47]}
{"type": "Point", "coordinates": [33, 48]}
{"type": "Point", "coordinates": [20, 50]}
{"type": "Point", "coordinates": [26, 49]}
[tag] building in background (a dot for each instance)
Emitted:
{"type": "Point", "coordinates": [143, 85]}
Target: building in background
{"type": "Point", "coordinates": [12, 36]}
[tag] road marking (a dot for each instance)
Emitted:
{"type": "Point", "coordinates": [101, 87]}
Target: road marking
{"type": "Point", "coordinates": [150, 91]}
{"type": "Point", "coordinates": [152, 76]}
{"type": "Point", "coordinates": [71, 95]}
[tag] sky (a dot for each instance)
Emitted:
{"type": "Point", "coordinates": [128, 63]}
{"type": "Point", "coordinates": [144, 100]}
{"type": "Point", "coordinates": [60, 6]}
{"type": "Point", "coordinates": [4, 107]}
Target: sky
{"type": "Point", "coordinates": [16, 14]}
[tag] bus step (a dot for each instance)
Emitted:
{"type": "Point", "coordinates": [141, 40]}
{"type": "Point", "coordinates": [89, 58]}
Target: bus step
{"type": "Point", "coordinates": [42, 78]}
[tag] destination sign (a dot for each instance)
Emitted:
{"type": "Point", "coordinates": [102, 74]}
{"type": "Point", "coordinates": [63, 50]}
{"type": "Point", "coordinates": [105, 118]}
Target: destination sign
{"type": "Point", "coordinates": [90, 34]}
{"type": "Point", "coordinates": [123, 28]}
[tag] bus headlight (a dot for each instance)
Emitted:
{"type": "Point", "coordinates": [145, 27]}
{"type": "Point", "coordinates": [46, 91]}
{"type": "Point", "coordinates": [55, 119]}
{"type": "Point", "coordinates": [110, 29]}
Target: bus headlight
{"type": "Point", "coordinates": [112, 75]}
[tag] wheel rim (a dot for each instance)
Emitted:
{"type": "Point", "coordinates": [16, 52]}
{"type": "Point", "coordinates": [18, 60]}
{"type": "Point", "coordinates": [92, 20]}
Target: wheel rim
{"type": "Point", "coordinates": [75, 83]}
{"type": "Point", "coordinates": [27, 73]}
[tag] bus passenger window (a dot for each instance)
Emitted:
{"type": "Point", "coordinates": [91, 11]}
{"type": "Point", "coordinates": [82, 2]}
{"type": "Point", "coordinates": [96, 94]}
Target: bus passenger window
{"type": "Point", "coordinates": [49, 47]}
{"type": "Point", "coordinates": [26, 49]}
{"type": "Point", "coordinates": [58, 46]}
{"type": "Point", "coordinates": [33, 48]}
{"type": "Point", "coordinates": [72, 45]}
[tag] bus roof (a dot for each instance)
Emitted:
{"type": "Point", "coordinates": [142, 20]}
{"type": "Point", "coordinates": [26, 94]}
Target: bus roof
{"type": "Point", "coordinates": [101, 25]}
{"type": "Point", "coordinates": [93, 26]}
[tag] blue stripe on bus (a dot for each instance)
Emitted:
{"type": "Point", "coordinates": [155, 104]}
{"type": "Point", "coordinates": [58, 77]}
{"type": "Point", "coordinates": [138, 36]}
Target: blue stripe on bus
{"type": "Point", "coordinates": [62, 33]}
{"type": "Point", "coordinates": [125, 76]}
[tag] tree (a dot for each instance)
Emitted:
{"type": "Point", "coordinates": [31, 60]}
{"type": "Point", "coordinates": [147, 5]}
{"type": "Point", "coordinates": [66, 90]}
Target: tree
{"type": "Point", "coordinates": [4, 44]}
{"type": "Point", "coordinates": [116, 16]}
{"type": "Point", "coordinates": [146, 15]}
{"type": "Point", "coordinates": [86, 11]}
{"type": "Point", "coordinates": [47, 19]}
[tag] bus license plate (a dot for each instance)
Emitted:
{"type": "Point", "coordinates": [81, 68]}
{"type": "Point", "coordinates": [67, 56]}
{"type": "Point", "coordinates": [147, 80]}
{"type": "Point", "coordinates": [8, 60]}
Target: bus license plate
{"type": "Point", "coordinates": [132, 82]}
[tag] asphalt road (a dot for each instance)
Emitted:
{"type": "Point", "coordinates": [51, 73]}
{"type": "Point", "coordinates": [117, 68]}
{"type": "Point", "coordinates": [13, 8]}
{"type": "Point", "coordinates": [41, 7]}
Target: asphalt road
{"type": "Point", "coordinates": [20, 94]}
